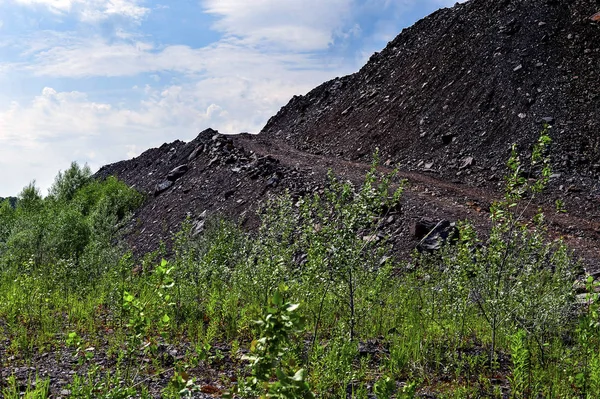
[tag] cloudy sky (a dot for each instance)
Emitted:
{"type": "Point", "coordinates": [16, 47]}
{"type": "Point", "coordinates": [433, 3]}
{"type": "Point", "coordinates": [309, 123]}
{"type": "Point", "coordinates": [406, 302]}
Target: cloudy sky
{"type": "Point", "coordinates": [98, 81]}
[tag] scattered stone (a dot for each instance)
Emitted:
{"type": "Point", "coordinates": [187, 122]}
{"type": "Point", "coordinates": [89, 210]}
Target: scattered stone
{"type": "Point", "coordinates": [467, 162]}
{"type": "Point", "coordinates": [434, 235]}
{"type": "Point", "coordinates": [197, 151]}
{"type": "Point", "coordinates": [213, 161]}
{"type": "Point", "coordinates": [162, 186]}
{"type": "Point", "coordinates": [548, 119]}
{"type": "Point", "coordinates": [372, 238]}
{"type": "Point", "coordinates": [273, 181]}
{"type": "Point", "coordinates": [198, 228]}
{"type": "Point", "coordinates": [370, 348]}
{"type": "Point", "coordinates": [177, 172]}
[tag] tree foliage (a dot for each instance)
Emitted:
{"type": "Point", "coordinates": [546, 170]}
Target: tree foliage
{"type": "Point", "coordinates": [68, 182]}
{"type": "Point", "coordinates": [68, 224]}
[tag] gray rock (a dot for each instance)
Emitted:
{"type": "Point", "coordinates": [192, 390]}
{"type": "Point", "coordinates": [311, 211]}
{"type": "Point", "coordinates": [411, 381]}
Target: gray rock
{"type": "Point", "coordinates": [177, 172]}
{"type": "Point", "coordinates": [548, 119]}
{"type": "Point", "coordinates": [197, 151]}
{"type": "Point", "coordinates": [198, 228]}
{"type": "Point", "coordinates": [467, 162]}
{"type": "Point", "coordinates": [433, 235]}
{"type": "Point", "coordinates": [213, 161]}
{"type": "Point", "coordinates": [162, 186]}
{"type": "Point", "coordinates": [273, 181]}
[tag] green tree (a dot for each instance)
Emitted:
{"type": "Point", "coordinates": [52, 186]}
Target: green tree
{"type": "Point", "coordinates": [7, 219]}
{"type": "Point", "coordinates": [30, 199]}
{"type": "Point", "coordinates": [68, 182]}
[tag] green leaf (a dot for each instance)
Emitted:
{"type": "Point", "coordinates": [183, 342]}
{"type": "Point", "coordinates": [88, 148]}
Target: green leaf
{"type": "Point", "coordinates": [277, 298]}
{"type": "Point", "coordinates": [299, 376]}
{"type": "Point", "coordinates": [293, 307]}
{"type": "Point", "coordinates": [281, 375]}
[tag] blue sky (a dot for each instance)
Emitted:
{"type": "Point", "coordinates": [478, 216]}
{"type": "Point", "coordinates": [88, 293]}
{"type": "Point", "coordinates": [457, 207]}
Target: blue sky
{"type": "Point", "coordinates": [98, 81]}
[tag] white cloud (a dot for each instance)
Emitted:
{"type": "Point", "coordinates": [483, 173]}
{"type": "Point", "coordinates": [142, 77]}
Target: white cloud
{"type": "Point", "coordinates": [73, 57]}
{"type": "Point", "coordinates": [91, 10]}
{"type": "Point", "coordinates": [292, 24]}
{"type": "Point", "coordinates": [57, 127]}
{"type": "Point", "coordinates": [125, 8]}
{"type": "Point", "coordinates": [271, 50]}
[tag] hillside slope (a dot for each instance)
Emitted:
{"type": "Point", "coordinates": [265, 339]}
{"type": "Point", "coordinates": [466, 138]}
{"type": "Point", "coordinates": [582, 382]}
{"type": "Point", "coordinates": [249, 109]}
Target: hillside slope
{"type": "Point", "coordinates": [443, 102]}
{"type": "Point", "coordinates": [450, 94]}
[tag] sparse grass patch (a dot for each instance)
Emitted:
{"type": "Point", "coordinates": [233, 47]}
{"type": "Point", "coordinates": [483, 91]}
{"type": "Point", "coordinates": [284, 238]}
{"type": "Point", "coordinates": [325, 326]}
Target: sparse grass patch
{"type": "Point", "coordinates": [490, 317]}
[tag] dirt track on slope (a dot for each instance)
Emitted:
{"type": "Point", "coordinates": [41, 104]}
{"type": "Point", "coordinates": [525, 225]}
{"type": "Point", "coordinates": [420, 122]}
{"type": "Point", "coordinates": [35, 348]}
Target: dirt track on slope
{"type": "Point", "coordinates": [428, 196]}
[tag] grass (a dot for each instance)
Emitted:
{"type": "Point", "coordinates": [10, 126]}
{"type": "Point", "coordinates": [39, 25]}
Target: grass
{"type": "Point", "coordinates": [338, 316]}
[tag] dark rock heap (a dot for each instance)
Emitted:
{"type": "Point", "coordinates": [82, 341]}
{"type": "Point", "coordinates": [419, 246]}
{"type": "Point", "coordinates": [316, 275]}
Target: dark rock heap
{"type": "Point", "coordinates": [443, 102]}
{"type": "Point", "coordinates": [450, 94]}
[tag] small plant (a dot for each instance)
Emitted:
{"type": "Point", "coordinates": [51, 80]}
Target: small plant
{"type": "Point", "coordinates": [38, 390]}
{"type": "Point", "coordinates": [270, 377]}
{"type": "Point", "coordinates": [587, 372]}
{"type": "Point", "coordinates": [145, 317]}
{"type": "Point", "coordinates": [74, 340]}
{"type": "Point", "coordinates": [183, 385]}
{"type": "Point", "coordinates": [95, 385]}
{"type": "Point", "coordinates": [384, 388]}
{"type": "Point", "coordinates": [521, 372]}
{"type": "Point", "coordinates": [560, 206]}
{"type": "Point", "coordinates": [515, 278]}
{"type": "Point", "coordinates": [408, 391]}
{"type": "Point", "coordinates": [152, 313]}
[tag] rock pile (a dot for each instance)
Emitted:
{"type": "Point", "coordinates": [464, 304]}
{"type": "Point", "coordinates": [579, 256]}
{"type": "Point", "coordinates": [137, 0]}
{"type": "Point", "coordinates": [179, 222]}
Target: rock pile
{"type": "Point", "coordinates": [443, 102]}
{"type": "Point", "coordinates": [213, 174]}
{"type": "Point", "coordinates": [449, 95]}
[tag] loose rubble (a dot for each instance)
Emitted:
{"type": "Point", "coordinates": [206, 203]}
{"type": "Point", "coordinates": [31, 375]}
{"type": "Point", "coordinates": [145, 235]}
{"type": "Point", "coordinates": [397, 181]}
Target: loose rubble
{"type": "Point", "coordinates": [443, 102]}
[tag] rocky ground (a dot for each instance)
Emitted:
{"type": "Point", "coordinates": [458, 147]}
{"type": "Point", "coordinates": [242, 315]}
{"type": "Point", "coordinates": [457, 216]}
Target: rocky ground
{"type": "Point", "coordinates": [452, 93]}
{"type": "Point", "coordinates": [154, 371]}
{"type": "Point", "coordinates": [231, 174]}
{"type": "Point", "coordinates": [443, 102]}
